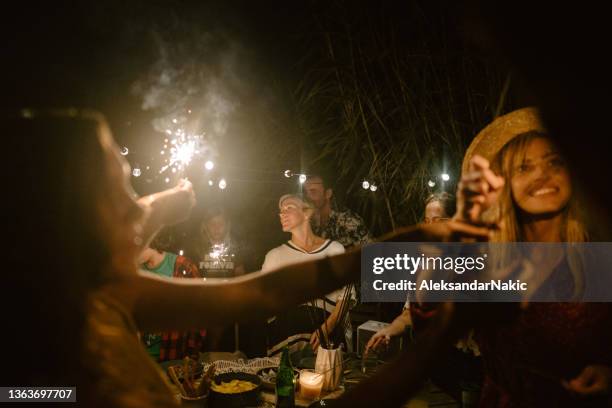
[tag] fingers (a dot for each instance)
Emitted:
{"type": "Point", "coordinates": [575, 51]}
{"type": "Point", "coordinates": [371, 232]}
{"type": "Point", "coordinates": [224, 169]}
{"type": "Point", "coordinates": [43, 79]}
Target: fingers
{"type": "Point", "coordinates": [589, 382]}
{"type": "Point", "coordinates": [470, 231]}
{"type": "Point", "coordinates": [375, 342]}
{"type": "Point", "coordinates": [477, 162]}
{"type": "Point", "coordinates": [371, 344]}
{"type": "Point", "coordinates": [480, 182]}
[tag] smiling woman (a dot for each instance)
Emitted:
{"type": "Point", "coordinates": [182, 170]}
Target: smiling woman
{"type": "Point", "coordinates": [540, 186]}
{"type": "Point", "coordinates": [549, 352]}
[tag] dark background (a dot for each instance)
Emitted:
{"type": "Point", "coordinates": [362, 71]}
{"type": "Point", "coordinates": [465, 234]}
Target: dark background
{"type": "Point", "coordinates": [389, 92]}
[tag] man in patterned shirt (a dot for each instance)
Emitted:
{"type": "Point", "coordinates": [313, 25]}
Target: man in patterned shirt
{"type": "Point", "coordinates": [343, 226]}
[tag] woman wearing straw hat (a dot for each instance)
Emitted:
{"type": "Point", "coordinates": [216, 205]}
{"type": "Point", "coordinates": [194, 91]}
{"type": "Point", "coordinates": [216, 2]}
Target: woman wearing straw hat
{"type": "Point", "coordinates": [295, 212]}
{"type": "Point", "coordinates": [514, 176]}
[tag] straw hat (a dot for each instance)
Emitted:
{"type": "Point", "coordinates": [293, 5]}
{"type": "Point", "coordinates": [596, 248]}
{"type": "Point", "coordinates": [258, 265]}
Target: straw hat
{"type": "Point", "coordinates": [492, 138]}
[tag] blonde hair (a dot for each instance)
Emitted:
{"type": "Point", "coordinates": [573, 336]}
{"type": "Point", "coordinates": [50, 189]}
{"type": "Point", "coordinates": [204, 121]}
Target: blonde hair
{"type": "Point", "coordinates": [573, 227]}
{"type": "Point", "coordinates": [306, 203]}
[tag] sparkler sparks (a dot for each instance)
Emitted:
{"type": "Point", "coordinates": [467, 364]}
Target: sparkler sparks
{"type": "Point", "coordinates": [182, 149]}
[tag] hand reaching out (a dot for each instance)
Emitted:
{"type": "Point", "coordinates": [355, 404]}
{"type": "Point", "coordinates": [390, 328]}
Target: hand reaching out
{"type": "Point", "coordinates": [478, 189]}
{"type": "Point", "coordinates": [379, 340]}
{"type": "Point", "coordinates": [173, 205]}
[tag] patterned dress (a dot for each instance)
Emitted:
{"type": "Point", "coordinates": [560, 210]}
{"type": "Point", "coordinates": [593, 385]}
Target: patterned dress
{"type": "Point", "coordinates": [345, 227]}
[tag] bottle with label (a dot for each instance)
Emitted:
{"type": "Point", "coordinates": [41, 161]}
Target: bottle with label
{"type": "Point", "coordinates": [285, 382]}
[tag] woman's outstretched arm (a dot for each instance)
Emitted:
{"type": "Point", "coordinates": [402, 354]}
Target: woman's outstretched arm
{"type": "Point", "coordinates": [158, 303]}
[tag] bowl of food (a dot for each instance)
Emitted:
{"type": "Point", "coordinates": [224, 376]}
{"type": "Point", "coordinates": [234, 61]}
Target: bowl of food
{"type": "Point", "coordinates": [268, 377]}
{"type": "Point", "coordinates": [231, 390]}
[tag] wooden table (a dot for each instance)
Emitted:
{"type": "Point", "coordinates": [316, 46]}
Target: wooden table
{"type": "Point", "coordinates": [270, 398]}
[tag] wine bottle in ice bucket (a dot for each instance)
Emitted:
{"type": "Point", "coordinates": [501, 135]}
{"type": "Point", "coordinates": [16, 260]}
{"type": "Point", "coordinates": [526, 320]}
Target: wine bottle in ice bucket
{"type": "Point", "coordinates": [285, 383]}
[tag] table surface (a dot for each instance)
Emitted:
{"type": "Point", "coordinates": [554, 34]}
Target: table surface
{"type": "Point", "coordinates": [429, 396]}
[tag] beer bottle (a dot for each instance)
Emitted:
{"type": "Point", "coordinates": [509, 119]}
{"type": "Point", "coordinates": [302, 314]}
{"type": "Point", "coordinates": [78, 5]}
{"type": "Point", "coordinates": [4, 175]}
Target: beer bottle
{"type": "Point", "coordinates": [285, 382]}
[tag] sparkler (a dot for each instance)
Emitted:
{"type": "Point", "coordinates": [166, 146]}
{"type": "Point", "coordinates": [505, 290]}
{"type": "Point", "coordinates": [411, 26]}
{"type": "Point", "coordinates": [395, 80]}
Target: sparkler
{"type": "Point", "coordinates": [183, 148]}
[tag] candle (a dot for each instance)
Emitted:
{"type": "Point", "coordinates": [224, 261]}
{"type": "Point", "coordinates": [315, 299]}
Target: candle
{"type": "Point", "coordinates": [310, 384]}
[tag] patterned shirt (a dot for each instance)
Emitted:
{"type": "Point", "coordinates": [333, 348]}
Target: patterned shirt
{"type": "Point", "coordinates": [345, 227]}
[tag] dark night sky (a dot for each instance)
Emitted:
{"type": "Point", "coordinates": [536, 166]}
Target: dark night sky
{"type": "Point", "coordinates": [91, 54]}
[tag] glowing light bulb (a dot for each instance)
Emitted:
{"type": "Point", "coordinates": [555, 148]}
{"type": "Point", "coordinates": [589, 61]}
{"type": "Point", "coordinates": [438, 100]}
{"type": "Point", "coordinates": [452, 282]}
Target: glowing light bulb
{"type": "Point", "coordinates": [431, 183]}
{"type": "Point", "coordinates": [209, 165]}
{"type": "Point", "coordinates": [373, 188]}
{"type": "Point", "coordinates": [136, 172]}
{"type": "Point", "coordinates": [288, 173]}
{"type": "Point", "coordinates": [445, 177]}
{"type": "Point", "coordinates": [365, 184]}
{"type": "Point", "coordinates": [222, 184]}
{"type": "Point", "coordinates": [124, 151]}
{"type": "Point", "coordinates": [302, 178]}
{"type": "Point", "coordinates": [210, 183]}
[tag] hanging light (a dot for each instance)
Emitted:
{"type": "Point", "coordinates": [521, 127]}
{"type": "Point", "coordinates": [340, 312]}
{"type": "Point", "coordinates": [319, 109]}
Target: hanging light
{"type": "Point", "coordinates": [365, 184]}
{"type": "Point", "coordinates": [136, 172]}
{"type": "Point", "coordinates": [124, 151]}
{"type": "Point", "coordinates": [222, 184]}
{"type": "Point", "coordinates": [288, 173]}
{"type": "Point", "coordinates": [209, 165]}
{"type": "Point", "coordinates": [373, 187]}
{"type": "Point", "coordinates": [445, 177]}
{"type": "Point", "coordinates": [431, 183]}
{"type": "Point", "coordinates": [302, 178]}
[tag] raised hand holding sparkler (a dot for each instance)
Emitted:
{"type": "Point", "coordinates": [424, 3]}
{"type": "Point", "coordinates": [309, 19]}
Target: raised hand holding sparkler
{"type": "Point", "coordinates": [167, 207]}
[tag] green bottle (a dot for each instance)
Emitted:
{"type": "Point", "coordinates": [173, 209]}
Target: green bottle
{"type": "Point", "coordinates": [285, 382]}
